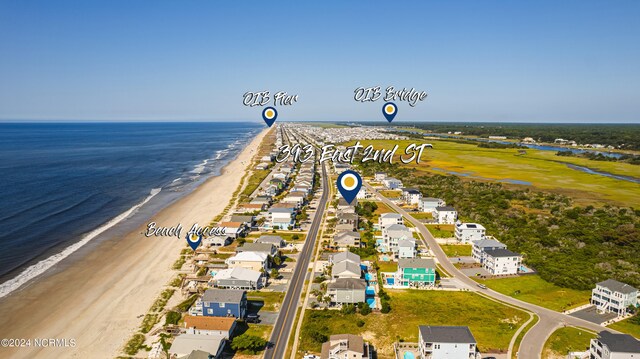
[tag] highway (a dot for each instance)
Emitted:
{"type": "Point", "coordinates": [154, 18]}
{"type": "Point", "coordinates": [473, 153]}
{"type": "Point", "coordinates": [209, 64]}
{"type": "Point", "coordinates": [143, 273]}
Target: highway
{"type": "Point", "coordinates": [282, 328]}
{"type": "Point", "coordinates": [533, 341]}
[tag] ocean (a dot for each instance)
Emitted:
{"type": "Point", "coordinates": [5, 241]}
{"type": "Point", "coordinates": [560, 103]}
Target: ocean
{"type": "Point", "coordinates": [62, 185]}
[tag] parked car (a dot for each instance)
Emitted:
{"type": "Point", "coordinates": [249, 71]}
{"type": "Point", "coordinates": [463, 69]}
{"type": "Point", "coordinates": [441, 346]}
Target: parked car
{"type": "Point", "coordinates": [482, 286]}
{"type": "Point", "coordinates": [253, 318]}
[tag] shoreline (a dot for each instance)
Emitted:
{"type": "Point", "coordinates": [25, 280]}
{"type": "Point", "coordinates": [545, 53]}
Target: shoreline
{"type": "Point", "coordinates": [97, 299]}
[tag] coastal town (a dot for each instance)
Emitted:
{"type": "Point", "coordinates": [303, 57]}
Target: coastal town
{"type": "Point", "coordinates": [301, 273]}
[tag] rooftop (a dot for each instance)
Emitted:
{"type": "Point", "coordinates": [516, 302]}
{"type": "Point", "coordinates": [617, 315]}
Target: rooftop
{"type": "Point", "coordinates": [622, 343]}
{"type": "Point", "coordinates": [348, 283]}
{"type": "Point", "coordinates": [416, 263]}
{"type": "Point", "coordinates": [209, 323]}
{"type": "Point", "coordinates": [616, 286]}
{"type": "Point", "coordinates": [445, 209]}
{"type": "Point", "coordinates": [501, 252]}
{"type": "Point", "coordinates": [446, 334]}
{"type": "Point", "coordinates": [223, 295]}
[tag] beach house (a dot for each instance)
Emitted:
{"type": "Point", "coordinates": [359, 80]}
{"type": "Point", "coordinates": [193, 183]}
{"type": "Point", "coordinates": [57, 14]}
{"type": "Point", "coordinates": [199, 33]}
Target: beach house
{"type": "Point", "coordinates": [275, 240]}
{"type": "Point", "coordinates": [407, 248]}
{"type": "Point", "coordinates": [344, 256]}
{"type": "Point", "coordinates": [224, 303]}
{"type": "Point", "coordinates": [200, 324]}
{"type": "Point", "coordinates": [469, 232]}
{"type": "Point", "coordinates": [614, 346]}
{"type": "Point", "coordinates": [267, 248]}
{"type": "Point", "coordinates": [280, 218]}
{"type": "Point", "coordinates": [346, 269]}
{"type": "Point", "coordinates": [202, 345]}
{"type": "Point", "coordinates": [445, 215]}
{"type": "Point", "coordinates": [250, 260]}
{"type": "Point", "coordinates": [429, 204]}
{"type": "Point", "coordinates": [233, 229]}
{"type": "Point", "coordinates": [345, 240]}
{"type": "Point", "coordinates": [347, 290]}
{"type": "Point", "coordinates": [392, 183]}
{"type": "Point", "coordinates": [341, 346]}
{"type": "Point", "coordinates": [363, 193]}
{"type": "Point", "coordinates": [501, 261]}
{"type": "Point", "coordinates": [446, 342]}
{"type": "Point", "coordinates": [411, 196]}
{"type": "Point", "coordinates": [478, 248]}
{"type": "Point", "coordinates": [388, 219]}
{"type": "Point", "coordinates": [391, 235]}
{"type": "Point", "coordinates": [238, 278]}
{"type": "Point", "coordinates": [415, 272]}
{"type": "Point", "coordinates": [611, 296]}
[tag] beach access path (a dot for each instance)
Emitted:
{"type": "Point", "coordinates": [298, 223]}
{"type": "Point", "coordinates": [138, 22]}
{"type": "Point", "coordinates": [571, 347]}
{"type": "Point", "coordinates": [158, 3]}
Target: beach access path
{"type": "Point", "coordinates": [98, 299]}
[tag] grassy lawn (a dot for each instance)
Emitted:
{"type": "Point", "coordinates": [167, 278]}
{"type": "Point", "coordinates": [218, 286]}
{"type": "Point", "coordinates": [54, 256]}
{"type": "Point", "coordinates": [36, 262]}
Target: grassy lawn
{"type": "Point", "coordinates": [565, 340]}
{"type": "Point", "coordinates": [630, 326]}
{"type": "Point", "coordinates": [421, 215]}
{"type": "Point", "coordinates": [260, 330]}
{"type": "Point", "coordinates": [533, 289]}
{"type": "Point", "coordinates": [387, 266]}
{"type": "Point", "coordinates": [441, 230]}
{"type": "Point", "coordinates": [287, 236]}
{"type": "Point", "coordinates": [455, 250]}
{"type": "Point", "coordinates": [272, 300]}
{"type": "Point", "coordinates": [539, 168]}
{"type": "Point", "coordinates": [391, 193]}
{"type": "Point", "coordinates": [491, 323]}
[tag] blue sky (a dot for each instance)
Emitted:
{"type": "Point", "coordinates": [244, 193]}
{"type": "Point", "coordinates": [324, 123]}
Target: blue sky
{"type": "Point", "coordinates": [548, 61]}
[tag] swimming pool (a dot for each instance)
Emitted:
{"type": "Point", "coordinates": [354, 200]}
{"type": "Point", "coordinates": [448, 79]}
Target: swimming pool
{"type": "Point", "coordinates": [370, 290]}
{"type": "Point", "coordinates": [409, 355]}
{"type": "Point", "coordinates": [390, 281]}
{"type": "Point", "coordinates": [371, 302]}
{"type": "Point", "coordinates": [368, 276]}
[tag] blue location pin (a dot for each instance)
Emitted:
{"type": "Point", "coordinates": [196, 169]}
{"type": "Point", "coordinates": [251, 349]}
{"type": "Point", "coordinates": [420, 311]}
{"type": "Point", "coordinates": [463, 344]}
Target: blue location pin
{"type": "Point", "coordinates": [269, 115]}
{"type": "Point", "coordinates": [349, 183]}
{"type": "Point", "coordinates": [389, 110]}
{"type": "Point", "coordinates": [194, 240]}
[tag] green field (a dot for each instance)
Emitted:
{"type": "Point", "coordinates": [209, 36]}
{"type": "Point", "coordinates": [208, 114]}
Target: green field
{"type": "Point", "coordinates": [440, 230]}
{"type": "Point", "coordinates": [533, 289]}
{"type": "Point", "coordinates": [387, 266]}
{"type": "Point", "coordinates": [456, 250]}
{"type": "Point", "coordinates": [391, 193]}
{"type": "Point", "coordinates": [272, 300]}
{"type": "Point", "coordinates": [491, 323]}
{"type": "Point", "coordinates": [543, 169]}
{"type": "Point", "coordinates": [629, 326]}
{"type": "Point", "coordinates": [565, 340]}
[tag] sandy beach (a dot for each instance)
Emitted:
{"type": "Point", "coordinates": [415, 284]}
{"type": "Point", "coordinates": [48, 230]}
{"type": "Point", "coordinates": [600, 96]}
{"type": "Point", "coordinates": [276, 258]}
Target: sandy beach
{"type": "Point", "coordinates": [98, 301]}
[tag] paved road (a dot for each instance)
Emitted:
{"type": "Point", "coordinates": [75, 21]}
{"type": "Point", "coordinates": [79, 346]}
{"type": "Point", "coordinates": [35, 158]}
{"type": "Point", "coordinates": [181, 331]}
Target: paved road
{"type": "Point", "coordinates": [533, 341]}
{"type": "Point", "coordinates": [282, 329]}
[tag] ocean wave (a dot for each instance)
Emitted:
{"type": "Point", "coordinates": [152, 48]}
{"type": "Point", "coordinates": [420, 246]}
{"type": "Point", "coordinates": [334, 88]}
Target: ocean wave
{"type": "Point", "coordinates": [40, 267]}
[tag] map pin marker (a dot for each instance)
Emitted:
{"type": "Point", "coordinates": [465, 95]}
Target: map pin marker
{"type": "Point", "coordinates": [349, 183]}
{"type": "Point", "coordinates": [269, 115]}
{"type": "Point", "coordinates": [194, 240]}
{"type": "Point", "coordinates": [389, 110]}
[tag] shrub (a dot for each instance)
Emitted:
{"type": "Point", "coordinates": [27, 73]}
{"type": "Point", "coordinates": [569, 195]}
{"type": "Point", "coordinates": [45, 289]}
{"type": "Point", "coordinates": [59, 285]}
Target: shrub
{"type": "Point", "coordinates": [172, 318]}
{"type": "Point", "coordinates": [248, 343]}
